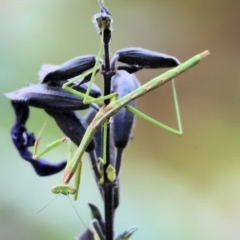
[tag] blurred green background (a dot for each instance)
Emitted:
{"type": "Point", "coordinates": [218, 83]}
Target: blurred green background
{"type": "Point", "coordinates": [171, 187]}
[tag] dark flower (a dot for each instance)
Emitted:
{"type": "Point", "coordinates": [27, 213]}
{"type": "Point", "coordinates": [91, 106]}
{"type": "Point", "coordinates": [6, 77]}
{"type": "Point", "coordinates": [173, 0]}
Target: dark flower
{"type": "Point", "coordinates": [47, 97]}
{"type": "Point", "coordinates": [86, 235]}
{"type": "Point", "coordinates": [22, 140]}
{"type": "Point", "coordinates": [70, 69]}
{"type": "Point", "coordinates": [146, 58]}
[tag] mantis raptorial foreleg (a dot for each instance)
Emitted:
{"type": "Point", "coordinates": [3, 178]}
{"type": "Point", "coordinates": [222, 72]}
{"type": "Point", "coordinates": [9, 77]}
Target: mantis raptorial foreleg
{"type": "Point", "coordinates": [50, 146]}
{"type": "Point", "coordinates": [63, 189]}
{"type": "Point", "coordinates": [66, 189]}
{"type": "Point", "coordinates": [73, 165]}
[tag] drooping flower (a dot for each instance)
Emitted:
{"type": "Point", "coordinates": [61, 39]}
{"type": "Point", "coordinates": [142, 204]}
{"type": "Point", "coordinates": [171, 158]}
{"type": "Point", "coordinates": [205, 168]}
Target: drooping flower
{"type": "Point", "coordinates": [22, 140]}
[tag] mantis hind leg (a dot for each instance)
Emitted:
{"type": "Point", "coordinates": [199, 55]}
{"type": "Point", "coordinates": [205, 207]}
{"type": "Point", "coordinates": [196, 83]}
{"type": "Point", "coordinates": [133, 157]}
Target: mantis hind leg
{"type": "Point", "coordinates": [157, 123]}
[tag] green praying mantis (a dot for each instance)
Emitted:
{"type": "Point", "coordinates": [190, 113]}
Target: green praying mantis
{"type": "Point", "coordinates": [136, 58]}
{"type": "Point", "coordinates": [105, 130]}
{"type": "Point", "coordinates": [106, 112]}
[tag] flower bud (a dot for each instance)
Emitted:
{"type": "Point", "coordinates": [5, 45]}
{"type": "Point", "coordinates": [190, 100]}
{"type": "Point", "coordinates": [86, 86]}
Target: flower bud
{"type": "Point", "coordinates": [48, 98]}
{"type": "Point", "coordinates": [145, 58]}
{"type": "Point", "coordinates": [86, 235]}
{"type": "Point", "coordinates": [103, 20]}
{"type": "Point", "coordinates": [69, 69]}
{"type": "Point", "coordinates": [97, 215]}
{"type": "Point", "coordinates": [123, 83]}
{"type": "Point", "coordinates": [81, 85]}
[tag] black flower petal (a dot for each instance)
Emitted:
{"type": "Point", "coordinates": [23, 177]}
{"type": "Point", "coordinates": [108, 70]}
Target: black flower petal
{"type": "Point", "coordinates": [22, 112]}
{"type": "Point", "coordinates": [145, 58]}
{"type": "Point", "coordinates": [123, 83]}
{"type": "Point", "coordinates": [86, 235]}
{"type": "Point", "coordinates": [47, 97]}
{"type": "Point", "coordinates": [22, 140]}
{"type": "Point", "coordinates": [69, 69]}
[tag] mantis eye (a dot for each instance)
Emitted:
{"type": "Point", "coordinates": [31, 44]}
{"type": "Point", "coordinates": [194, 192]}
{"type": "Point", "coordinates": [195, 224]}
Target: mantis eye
{"type": "Point", "coordinates": [63, 189]}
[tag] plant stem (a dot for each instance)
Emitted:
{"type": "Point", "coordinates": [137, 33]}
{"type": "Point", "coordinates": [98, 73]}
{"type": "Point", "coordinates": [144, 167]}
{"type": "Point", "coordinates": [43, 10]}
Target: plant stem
{"type": "Point", "coordinates": [107, 185]}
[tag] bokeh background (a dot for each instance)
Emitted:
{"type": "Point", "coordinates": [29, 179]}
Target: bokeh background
{"type": "Point", "coordinates": [171, 187]}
